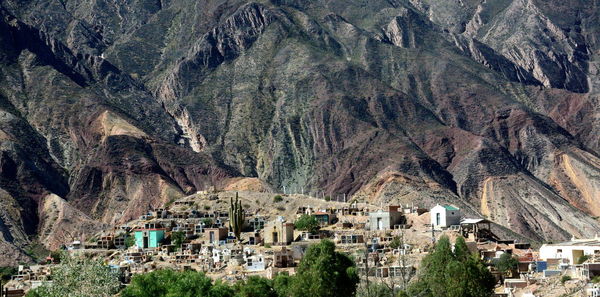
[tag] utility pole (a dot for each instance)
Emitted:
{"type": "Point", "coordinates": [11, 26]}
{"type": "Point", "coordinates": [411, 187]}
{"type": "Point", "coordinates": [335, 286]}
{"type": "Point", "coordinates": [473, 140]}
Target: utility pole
{"type": "Point", "coordinates": [432, 234]}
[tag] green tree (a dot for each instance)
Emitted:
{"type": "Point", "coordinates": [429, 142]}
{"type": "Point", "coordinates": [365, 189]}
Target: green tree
{"type": "Point", "coordinates": [506, 263]}
{"type": "Point", "coordinates": [324, 272]}
{"type": "Point", "coordinates": [129, 240]}
{"type": "Point", "coordinates": [169, 283]}
{"type": "Point", "coordinates": [307, 223]}
{"type": "Point", "coordinates": [458, 273]}
{"type": "Point", "coordinates": [255, 286]}
{"type": "Point", "coordinates": [220, 289]}
{"type": "Point", "coordinates": [177, 238]}
{"type": "Point", "coordinates": [396, 242]}
{"type": "Point", "coordinates": [6, 272]}
{"type": "Point", "coordinates": [79, 277]}
{"type": "Point", "coordinates": [277, 198]}
{"type": "Point", "coordinates": [375, 290]}
{"type": "Point", "coordinates": [282, 283]}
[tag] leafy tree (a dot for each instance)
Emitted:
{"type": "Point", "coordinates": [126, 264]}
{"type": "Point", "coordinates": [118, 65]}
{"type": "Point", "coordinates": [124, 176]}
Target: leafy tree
{"type": "Point", "coordinates": [307, 223]}
{"type": "Point", "coordinates": [564, 279]}
{"type": "Point", "coordinates": [169, 283]}
{"type": "Point", "coordinates": [458, 273]}
{"type": "Point", "coordinates": [255, 286]}
{"type": "Point", "coordinates": [506, 263]}
{"type": "Point", "coordinates": [327, 198]}
{"type": "Point", "coordinates": [79, 277]}
{"type": "Point", "coordinates": [6, 272]}
{"type": "Point", "coordinates": [375, 290]}
{"type": "Point", "coordinates": [220, 289]}
{"type": "Point", "coordinates": [282, 283]}
{"type": "Point", "coordinates": [208, 222]}
{"type": "Point", "coordinates": [129, 240]}
{"type": "Point", "coordinates": [177, 238]}
{"type": "Point", "coordinates": [396, 242]}
{"type": "Point", "coordinates": [324, 272]}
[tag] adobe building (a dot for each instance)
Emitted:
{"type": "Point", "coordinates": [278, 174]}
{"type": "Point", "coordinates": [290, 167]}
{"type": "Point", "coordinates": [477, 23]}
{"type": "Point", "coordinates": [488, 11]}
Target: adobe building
{"type": "Point", "coordinates": [279, 232]}
{"type": "Point", "coordinates": [215, 235]}
{"type": "Point", "coordinates": [385, 220]}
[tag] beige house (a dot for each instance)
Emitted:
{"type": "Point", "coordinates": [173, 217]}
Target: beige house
{"type": "Point", "coordinates": [214, 235]}
{"type": "Point", "coordinates": [279, 232]}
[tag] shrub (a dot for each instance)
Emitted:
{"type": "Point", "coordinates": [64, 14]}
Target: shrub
{"type": "Point", "coordinates": [582, 259]}
{"type": "Point", "coordinates": [506, 263]}
{"type": "Point", "coordinates": [327, 198]}
{"type": "Point", "coordinates": [564, 279]}
{"type": "Point", "coordinates": [277, 198]}
{"type": "Point", "coordinates": [129, 240]}
{"type": "Point", "coordinates": [80, 277]}
{"type": "Point", "coordinates": [177, 238]}
{"type": "Point", "coordinates": [207, 222]}
{"type": "Point", "coordinates": [307, 223]}
{"type": "Point", "coordinates": [255, 286]}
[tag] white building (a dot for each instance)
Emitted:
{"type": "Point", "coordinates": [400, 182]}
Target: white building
{"type": "Point", "coordinates": [443, 216]}
{"type": "Point", "coordinates": [571, 250]}
{"type": "Point", "coordinates": [255, 263]}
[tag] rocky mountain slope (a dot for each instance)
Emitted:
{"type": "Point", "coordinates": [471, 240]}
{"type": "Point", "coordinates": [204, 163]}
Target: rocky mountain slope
{"type": "Point", "coordinates": [111, 107]}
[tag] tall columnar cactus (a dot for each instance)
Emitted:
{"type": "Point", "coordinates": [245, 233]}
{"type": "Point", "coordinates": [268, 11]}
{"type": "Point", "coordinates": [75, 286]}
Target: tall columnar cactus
{"type": "Point", "coordinates": [236, 216]}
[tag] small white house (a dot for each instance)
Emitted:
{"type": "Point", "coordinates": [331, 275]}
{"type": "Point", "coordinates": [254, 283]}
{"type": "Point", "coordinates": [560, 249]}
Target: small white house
{"type": "Point", "coordinates": [572, 250]}
{"type": "Point", "coordinates": [255, 263]}
{"type": "Point", "coordinates": [443, 216]}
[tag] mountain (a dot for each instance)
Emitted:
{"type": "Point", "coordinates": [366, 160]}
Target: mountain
{"type": "Point", "coordinates": [109, 108]}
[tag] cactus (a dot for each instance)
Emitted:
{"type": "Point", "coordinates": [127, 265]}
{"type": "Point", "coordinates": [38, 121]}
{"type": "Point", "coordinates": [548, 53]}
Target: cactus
{"type": "Point", "coordinates": [236, 216]}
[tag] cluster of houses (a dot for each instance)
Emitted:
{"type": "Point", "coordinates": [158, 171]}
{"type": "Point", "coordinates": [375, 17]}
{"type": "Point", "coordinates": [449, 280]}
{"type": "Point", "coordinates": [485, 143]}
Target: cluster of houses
{"type": "Point", "coordinates": [201, 240]}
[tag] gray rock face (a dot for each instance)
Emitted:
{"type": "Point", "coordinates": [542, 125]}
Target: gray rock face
{"type": "Point", "coordinates": [109, 108]}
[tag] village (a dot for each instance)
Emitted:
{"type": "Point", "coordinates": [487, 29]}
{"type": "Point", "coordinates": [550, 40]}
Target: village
{"type": "Point", "coordinates": [233, 235]}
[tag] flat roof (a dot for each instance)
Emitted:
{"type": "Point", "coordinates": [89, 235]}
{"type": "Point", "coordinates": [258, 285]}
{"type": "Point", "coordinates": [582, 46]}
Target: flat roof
{"type": "Point", "coordinates": [474, 221]}
{"type": "Point", "coordinates": [582, 242]}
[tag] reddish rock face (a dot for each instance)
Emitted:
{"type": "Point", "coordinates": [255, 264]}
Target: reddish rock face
{"type": "Point", "coordinates": [491, 106]}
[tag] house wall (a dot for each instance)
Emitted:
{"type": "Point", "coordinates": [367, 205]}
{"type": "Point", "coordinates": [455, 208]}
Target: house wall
{"type": "Point", "coordinates": [447, 217]}
{"type": "Point", "coordinates": [155, 237]}
{"type": "Point", "coordinates": [219, 234]}
{"type": "Point", "coordinates": [452, 219]}
{"type": "Point", "coordinates": [139, 238]}
{"type": "Point", "coordinates": [285, 233]}
{"type": "Point", "coordinates": [570, 252]}
{"type": "Point", "coordinates": [374, 218]}
{"type": "Point", "coordinates": [389, 219]}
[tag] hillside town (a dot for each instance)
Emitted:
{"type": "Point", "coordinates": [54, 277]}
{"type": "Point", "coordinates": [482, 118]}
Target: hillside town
{"type": "Point", "coordinates": [228, 239]}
